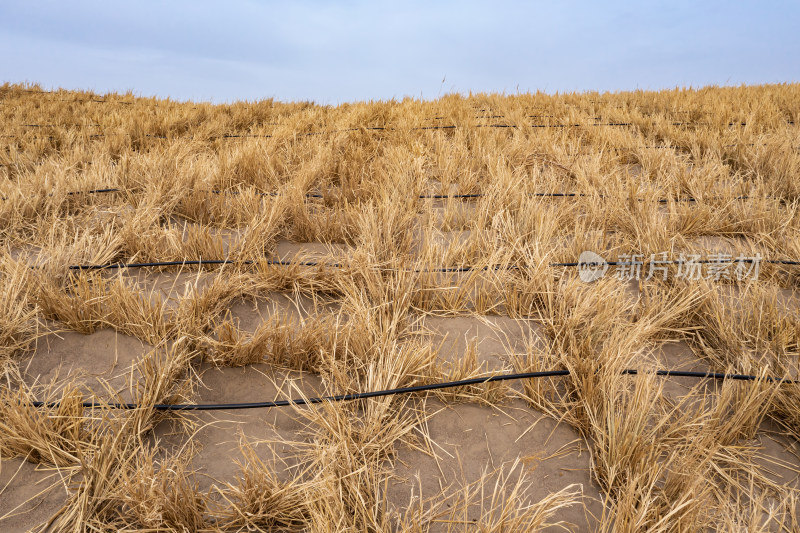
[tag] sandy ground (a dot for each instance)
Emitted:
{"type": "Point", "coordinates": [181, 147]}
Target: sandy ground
{"type": "Point", "coordinates": [463, 441]}
{"type": "Point", "coordinates": [471, 441]}
{"type": "Point", "coordinates": [217, 435]}
{"type": "Point", "coordinates": [101, 364]}
{"type": "Point", "coordinates": [29, 494]}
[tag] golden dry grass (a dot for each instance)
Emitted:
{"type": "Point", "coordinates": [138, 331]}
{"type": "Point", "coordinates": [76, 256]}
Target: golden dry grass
{"type": "Point", "coordinates": [352, 189]}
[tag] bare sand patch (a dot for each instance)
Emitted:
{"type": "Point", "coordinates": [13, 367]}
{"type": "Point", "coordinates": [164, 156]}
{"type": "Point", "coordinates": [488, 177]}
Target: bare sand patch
{"type": "Point", "coordinates": [317, 251]}
{"type": "Point", "coordinates": [168, 287]}
{"type": "Point", "coordinates": [218, 434]}
{"type": "Point", "coordinates": [29, 494]}
{"type": "Point", "coordinates": [716, 245]}
{"type": "Point", "coordinates": [250, 313]}
{"type": "Point", "coordinates": [91, 362]}
{"type": "Point", "coordinates": [495, 338]}
{"type": "Point", "coordinates": [33, 256]}
{"type": "Point", "coordinates": [469, 443]}
{"type": "Point", "coordinates": [779, 456]}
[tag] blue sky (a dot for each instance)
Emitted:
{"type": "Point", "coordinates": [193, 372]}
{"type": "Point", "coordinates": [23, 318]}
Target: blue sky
{"type": "Point", "coordinates": [358, 50]}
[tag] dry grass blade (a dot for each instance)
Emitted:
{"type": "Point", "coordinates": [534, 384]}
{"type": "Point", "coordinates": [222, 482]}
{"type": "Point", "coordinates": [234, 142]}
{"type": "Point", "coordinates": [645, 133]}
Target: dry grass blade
{"type": "Point", "coordinates": [392, 215]}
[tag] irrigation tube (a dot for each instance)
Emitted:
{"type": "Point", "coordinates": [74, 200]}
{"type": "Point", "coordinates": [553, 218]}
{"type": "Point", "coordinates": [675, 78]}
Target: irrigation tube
{"type": "Point", "coordinates": [370, 128]}
{"type": "Point", "coordinates": [200, 262]}
{"type": "Point", "coordinates": [404, 390]}
{"type": "Point", "coordinates": [118, 266]}
{"type": "Point", "coordinates": [444, 196]}
{"type": "Point", "coordinates": [428, 127]}
{"type": "Point", "coordinates": [456, 269]}
{"type": "Point", "coordinates": [678, 262]}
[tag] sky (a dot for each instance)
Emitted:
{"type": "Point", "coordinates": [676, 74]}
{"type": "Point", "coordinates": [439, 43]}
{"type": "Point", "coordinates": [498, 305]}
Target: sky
{"type": "Point", "coordinates": [334, 52]}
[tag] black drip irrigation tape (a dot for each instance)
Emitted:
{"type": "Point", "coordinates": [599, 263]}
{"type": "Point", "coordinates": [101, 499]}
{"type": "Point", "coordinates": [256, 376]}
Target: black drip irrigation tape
{"type": "Point", "coordinates": [454, 269]}
{"type": "Point", "coordinates": [451, 126]}
{"type": "Point", "coordinates": [384, 128]}
{"type": "Point", "coordinates": [405, 390]}
{"type": "Point", "coordinates": [750, 260]}
{"type": "Point", "coordinates": [274, 262]}
{"type": "Point", "coordinates": [75, 193]}
{"type": "Point", "coordinates": [92, 136]}
{"type": "Point", "coordinates": [201, 262]}
{"type": "Point", "coordinates": [658, 200]}
{"type": "Point", "coordinates": [445, 196]}
{"type": "Point", "coordinates": [61, 125]}
{"type": "Point", "coordinates": [95, 191]}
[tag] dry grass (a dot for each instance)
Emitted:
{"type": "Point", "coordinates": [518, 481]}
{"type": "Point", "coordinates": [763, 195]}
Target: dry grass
{"type": "Point", "coordinates": [200, 182]}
